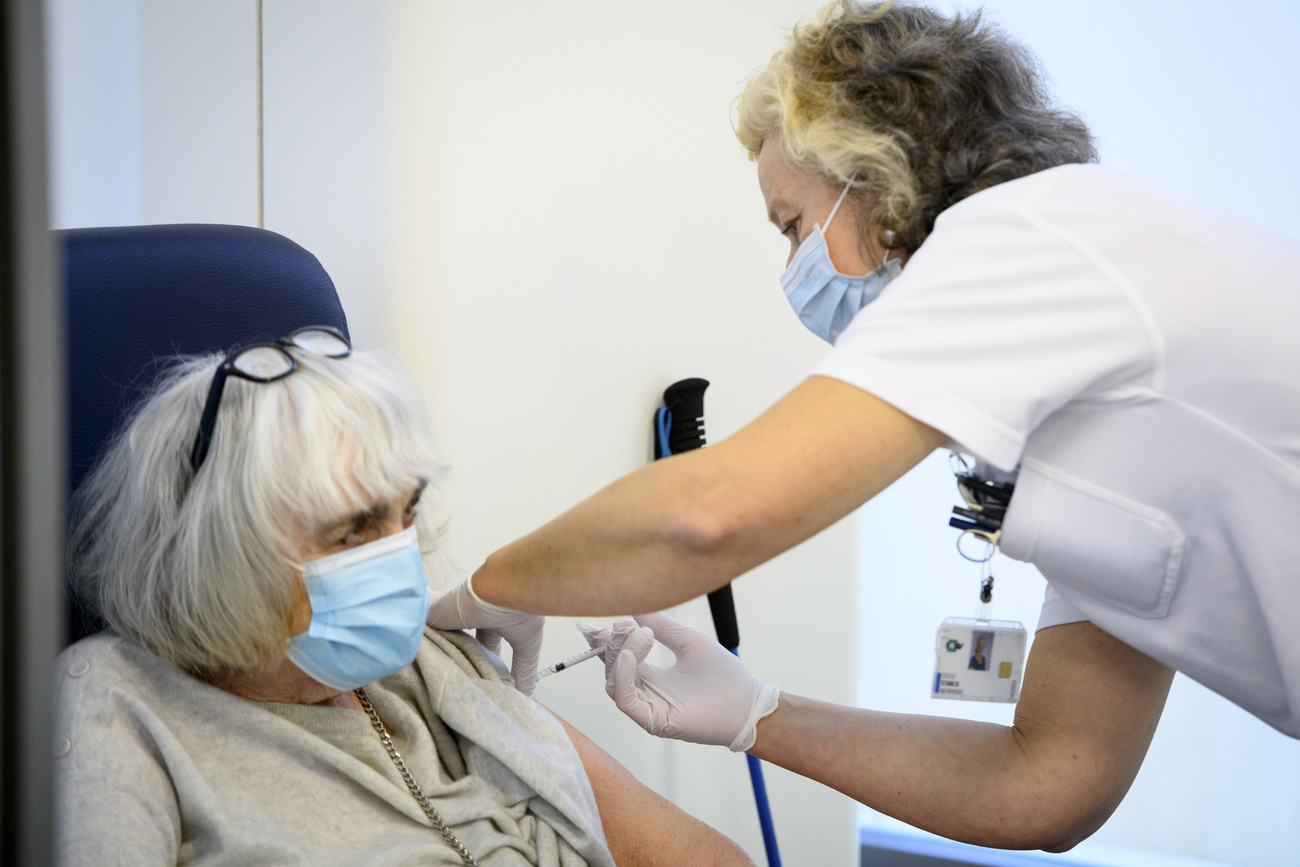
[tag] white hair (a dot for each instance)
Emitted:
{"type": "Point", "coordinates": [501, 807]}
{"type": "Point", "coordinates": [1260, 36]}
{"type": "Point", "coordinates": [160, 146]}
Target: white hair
{"type": "Point", "coordinates": [201, 571]}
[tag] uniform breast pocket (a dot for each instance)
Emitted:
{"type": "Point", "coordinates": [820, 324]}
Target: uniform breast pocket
{"type": "Point", "coordinates": [1124, 554]}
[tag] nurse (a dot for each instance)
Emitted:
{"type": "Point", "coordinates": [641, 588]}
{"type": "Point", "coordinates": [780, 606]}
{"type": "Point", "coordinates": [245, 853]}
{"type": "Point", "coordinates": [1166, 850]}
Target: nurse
{"type": "Point", "coordinates": [1130, 356]}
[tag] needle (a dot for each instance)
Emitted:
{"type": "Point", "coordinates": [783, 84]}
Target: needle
{"type": "Point", "coordinates": [572, 660]}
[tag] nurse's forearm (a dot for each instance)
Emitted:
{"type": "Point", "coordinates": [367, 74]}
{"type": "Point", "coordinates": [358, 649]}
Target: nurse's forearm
{"type": "Point", "coordinates": [964, 780]}
{"type": "Point", "coordinates": [685, 526]}
{"type": "Point", "coordinates": [1087, 712]}
{"type": "Point", "coordinates": [635, 547]}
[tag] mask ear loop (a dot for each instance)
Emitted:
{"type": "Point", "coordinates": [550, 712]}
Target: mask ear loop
{"type": "Point", "coordinates": [838, 202]}
{"type": "Point", "coordinates": [836, 209]}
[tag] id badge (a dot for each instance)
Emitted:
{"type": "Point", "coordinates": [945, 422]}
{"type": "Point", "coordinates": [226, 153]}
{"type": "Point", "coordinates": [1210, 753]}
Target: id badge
{"type": "Point", "coordinates": [979, 660]}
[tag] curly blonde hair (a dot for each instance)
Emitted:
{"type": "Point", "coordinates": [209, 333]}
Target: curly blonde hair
{"type": "Point", "coordinates": [914, 110]}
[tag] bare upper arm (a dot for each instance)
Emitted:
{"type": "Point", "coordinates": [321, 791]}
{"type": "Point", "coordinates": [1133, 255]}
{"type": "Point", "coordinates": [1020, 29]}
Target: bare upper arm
{"type": "Point", "coordinates": [643, 828]}
{"type": "Point", "coordinates": [1088, 709]}
{"type": "Point", "coordinates": [813, 457]}
{"type": "Point", "coordinates": [678, 528]}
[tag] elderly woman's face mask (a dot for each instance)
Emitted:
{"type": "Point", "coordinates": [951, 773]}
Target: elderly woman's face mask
{"type": "Point", "coordinates": [368, 606]}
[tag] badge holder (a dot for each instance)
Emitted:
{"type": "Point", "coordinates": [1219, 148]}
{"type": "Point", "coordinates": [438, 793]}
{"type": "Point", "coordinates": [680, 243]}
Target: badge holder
{"type": "Point", "coordinates": [977, 658]}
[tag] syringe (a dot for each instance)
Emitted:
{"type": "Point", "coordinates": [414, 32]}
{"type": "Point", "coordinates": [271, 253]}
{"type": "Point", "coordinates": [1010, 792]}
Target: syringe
{"type": "Point", "coordinates": [572, 660]}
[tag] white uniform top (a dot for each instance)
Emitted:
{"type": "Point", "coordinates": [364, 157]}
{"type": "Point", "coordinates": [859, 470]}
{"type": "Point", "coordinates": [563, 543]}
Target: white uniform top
{"type": "Point", "coordinates": [1136, 355]}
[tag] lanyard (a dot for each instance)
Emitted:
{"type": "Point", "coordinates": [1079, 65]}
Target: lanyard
{"type": "Point", "coordinates": [979, 659]}
{"type": "Point", "coordinates": [981, 518]}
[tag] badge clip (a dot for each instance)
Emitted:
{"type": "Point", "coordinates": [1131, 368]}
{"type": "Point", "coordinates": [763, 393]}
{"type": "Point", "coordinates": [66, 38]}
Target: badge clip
{"type": "Point", "coordinates": [979, 659]}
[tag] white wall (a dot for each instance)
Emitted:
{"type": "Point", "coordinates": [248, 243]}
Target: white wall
{"type": "Point", "coordinates": [327, 148]}
{"type": "Point", "coordinates": [542, 209]}
{"type": "Point", "coordinates": [92, 60]}
{"type": "Point", "coordinates": [154, 112]}
{"type": "Point", "coordinates": [579, 229]}
{"type": "Point", "coordinates": [198, 111]}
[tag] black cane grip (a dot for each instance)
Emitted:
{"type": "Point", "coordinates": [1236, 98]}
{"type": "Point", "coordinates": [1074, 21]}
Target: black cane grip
{"type": "Point", "coordinates": [685, 400]}
{"type": "Point", "coordinates": [724, 617]}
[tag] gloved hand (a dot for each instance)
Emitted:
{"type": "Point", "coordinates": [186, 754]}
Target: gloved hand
{"type": "Point", "coordinates": [460, 608]}
{"type": "Point", "coordinates": [707, 696]}
{"type": "Point", "coordinates": [613, 636]}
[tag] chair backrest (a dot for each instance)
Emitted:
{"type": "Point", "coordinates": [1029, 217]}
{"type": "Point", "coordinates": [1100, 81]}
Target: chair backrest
{"type": "Point", "coordinates": [138, 295]}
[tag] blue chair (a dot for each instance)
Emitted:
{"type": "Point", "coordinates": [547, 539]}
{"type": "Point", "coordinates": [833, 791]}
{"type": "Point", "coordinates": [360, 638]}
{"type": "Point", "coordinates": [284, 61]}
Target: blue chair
{"type": "Point", "coordinates": [138, 295]}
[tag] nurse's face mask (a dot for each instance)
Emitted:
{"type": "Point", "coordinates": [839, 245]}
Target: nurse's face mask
{"type": "Point", "coordinates": [824, 299]}
{"type": "Point", "coordinates": [368, 606]}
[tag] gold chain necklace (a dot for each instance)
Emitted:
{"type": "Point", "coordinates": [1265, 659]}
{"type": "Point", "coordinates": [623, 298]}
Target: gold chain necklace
{"type": "Point", "coordinates": [434, 818]}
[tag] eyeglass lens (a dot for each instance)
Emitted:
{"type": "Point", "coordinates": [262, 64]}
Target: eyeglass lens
{"type": "Point", "coordinates": [263, 363]}
{"type": "Point", "coordinates": [321, 342]}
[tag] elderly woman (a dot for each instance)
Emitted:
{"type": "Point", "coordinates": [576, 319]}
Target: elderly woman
{"type": "Point", "coordinates": [268, 692]}
{"type": "Point", "coordinates": [1121, 362]}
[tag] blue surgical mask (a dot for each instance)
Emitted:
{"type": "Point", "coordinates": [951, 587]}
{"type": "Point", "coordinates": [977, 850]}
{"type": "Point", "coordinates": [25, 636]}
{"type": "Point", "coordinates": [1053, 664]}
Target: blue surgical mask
{"type": "Point", "coordinates": [368, 606]}
{"type": "Point", "coordinates": [824, 299]}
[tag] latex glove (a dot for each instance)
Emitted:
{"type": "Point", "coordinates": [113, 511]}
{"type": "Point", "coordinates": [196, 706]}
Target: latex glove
{"type": "Point", "coordinates": [707, 696]}
{"type": "Point", "coordinates": [613, 637]}
{"type": "Point", "coordinates": [461, 608]}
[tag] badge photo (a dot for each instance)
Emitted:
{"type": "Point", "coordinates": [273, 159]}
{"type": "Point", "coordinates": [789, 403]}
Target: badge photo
{"type": "Point", "coordinates": [979, 660]}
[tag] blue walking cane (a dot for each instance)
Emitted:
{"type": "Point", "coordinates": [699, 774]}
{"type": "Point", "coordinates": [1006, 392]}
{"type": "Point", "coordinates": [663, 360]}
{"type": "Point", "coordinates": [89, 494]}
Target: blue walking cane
{"type": "Point", "coordinates": [679, 427]}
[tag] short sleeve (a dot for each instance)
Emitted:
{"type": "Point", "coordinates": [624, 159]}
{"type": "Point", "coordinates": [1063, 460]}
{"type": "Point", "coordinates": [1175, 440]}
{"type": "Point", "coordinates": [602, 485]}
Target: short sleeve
{"type": "Point", "coordinates": [1057, 610]}
{"type": "Point", "coordinates": [1000, 318]}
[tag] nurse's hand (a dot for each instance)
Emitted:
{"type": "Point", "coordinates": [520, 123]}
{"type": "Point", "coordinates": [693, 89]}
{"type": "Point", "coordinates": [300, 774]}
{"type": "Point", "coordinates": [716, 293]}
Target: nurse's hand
{"type": "Point", "coordinates": [462, 609]}
{"type": "Point", "coordinates": [612, 638]}
{"type": "Point", "coordinates": [706, 697]}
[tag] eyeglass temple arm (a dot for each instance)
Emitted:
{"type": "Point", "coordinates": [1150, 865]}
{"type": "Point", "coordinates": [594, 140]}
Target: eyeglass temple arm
{"type": "Point", "coordinates": [209, 419]}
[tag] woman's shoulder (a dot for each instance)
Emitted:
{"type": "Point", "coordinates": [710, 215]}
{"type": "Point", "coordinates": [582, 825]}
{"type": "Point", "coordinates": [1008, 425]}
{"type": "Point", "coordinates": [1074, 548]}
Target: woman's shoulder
{"type": "Point", "coordinates": [108, 685]}
{"type": "Point", "coordinates": [466, 654]}
{"type": "Point", "coordinates": [1075, 201]}
{"type": "Point", "coordinates": [96, 658]}
{"type": "Point", "coordinates": [107, 658]}
{"type": "Point", "coordinates": [1014, 195]}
